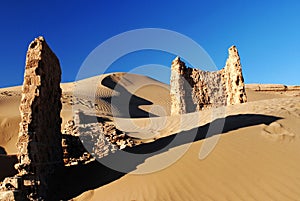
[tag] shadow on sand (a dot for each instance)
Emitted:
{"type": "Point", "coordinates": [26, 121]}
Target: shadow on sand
{"type": "Point", "coordinates": [7, 163]}
{"type": "Point", "coordinates": [78, 179]}
{"type": "Point", "coordinates": [125, 102]}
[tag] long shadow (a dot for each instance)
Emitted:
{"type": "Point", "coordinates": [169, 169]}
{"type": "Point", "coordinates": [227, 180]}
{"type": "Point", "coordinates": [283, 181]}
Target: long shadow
{"type": "Point", "coordinates": [7, 163]}
{"type": "Point", "coordinates": [87, 119]}
{"type": "Point", "coordinates": [126, 102]}
{"type": "Point", "coordinates": [78, 179]}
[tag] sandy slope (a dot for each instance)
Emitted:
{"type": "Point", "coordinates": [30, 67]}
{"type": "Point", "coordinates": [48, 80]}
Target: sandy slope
{"type": "Point", "coordinates": [9, 117]}
{"type": "Point", "coordinates": [249, 162]}
{"type": "Point", "coordinates": [255, 158]}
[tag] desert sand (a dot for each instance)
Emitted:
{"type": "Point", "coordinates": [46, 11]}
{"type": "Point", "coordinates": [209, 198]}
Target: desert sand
{"type": "Point", "coordinates": [256, 156]}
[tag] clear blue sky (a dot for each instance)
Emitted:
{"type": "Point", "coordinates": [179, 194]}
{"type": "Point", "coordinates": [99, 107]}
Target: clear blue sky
{"type": "Point", "coordinates": [267, 33]}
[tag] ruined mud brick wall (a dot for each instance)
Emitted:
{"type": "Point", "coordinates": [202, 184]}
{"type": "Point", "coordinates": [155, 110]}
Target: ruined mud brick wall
{"type": "Point", "coordinates": [194, 90]}
{"type": "Point", "coordinates": [85, 142]}
{"type": "Point", "coordinates": [39, 141]}
{"type": "Point", "coordinates": [100, 137]}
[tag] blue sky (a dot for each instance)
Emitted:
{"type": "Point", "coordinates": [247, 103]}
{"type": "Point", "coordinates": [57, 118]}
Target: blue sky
{"type": "Point", "coordinates": [267, 33]}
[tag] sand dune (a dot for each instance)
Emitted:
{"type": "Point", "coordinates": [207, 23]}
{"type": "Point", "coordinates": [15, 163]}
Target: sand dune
{"type": "Point", "coordinates": [9, 117]}
{"type": "Point", "coordinates": [256, 156]}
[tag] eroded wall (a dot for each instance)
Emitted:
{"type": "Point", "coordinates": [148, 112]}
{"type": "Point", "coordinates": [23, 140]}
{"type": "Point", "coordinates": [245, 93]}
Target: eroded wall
{"type": "Point", "coordinates": [194, 90]}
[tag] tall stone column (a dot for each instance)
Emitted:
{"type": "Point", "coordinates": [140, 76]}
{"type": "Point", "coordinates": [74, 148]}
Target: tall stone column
{"type": "Point", "coordinates": [39, 141]}
{"type": "Point", "coordinates": [177, 82]}
{"type": "Point", "coordinates": [233, 78]}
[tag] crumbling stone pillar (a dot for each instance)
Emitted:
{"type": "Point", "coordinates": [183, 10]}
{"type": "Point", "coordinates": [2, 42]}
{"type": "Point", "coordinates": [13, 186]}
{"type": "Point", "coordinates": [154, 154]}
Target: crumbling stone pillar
{"type": "Point", "coordinates": [177, 87]}
{"type": "Point", "coordinates": [194, 90]}
{"type": "Point", "coordinates": [233, 78]}
{"type": "Point", "coordinates": [39, 141]}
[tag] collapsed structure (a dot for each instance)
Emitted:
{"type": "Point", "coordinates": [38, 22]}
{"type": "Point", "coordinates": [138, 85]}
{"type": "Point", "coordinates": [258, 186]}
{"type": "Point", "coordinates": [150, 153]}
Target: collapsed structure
{"type": "Point", "coordinates": [194, 90]}
{"type": "Point", "coordinates": [43, 150]}
{"type": "Point", "coordinates": [39, 140]}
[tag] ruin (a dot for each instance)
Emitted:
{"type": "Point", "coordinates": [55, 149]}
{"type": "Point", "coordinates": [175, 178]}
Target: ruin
{"type": "Point", "coordinates": [194, 90]}
{"type": "Point", "coordinates": [43, 150]}
{"type": "Point", "coordinates": [39, 141]}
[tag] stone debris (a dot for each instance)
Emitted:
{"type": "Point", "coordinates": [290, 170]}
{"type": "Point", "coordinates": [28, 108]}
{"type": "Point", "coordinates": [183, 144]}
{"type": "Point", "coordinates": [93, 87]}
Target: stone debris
{"type": "Point", "coordinates": [194, 90]}
{"type": "Point", "coordinates": [9, 195]}
{"type": "Point", "coordinates": [115, 136]}
{"type": "Point", "coordinates": [100, 138]}
{"type": "Point", "coordinates": [74, 152]}
{"type": "Point", "coordinates": [83, 142]}
{"type": "Point", "coordinates": [11, 183]}
{"type": "Point", "coordinates": [67, 98]}
{"type": "Point", "coordinates": [103, 138]}
{"type": "Point", "coordinates": [70, 128]}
